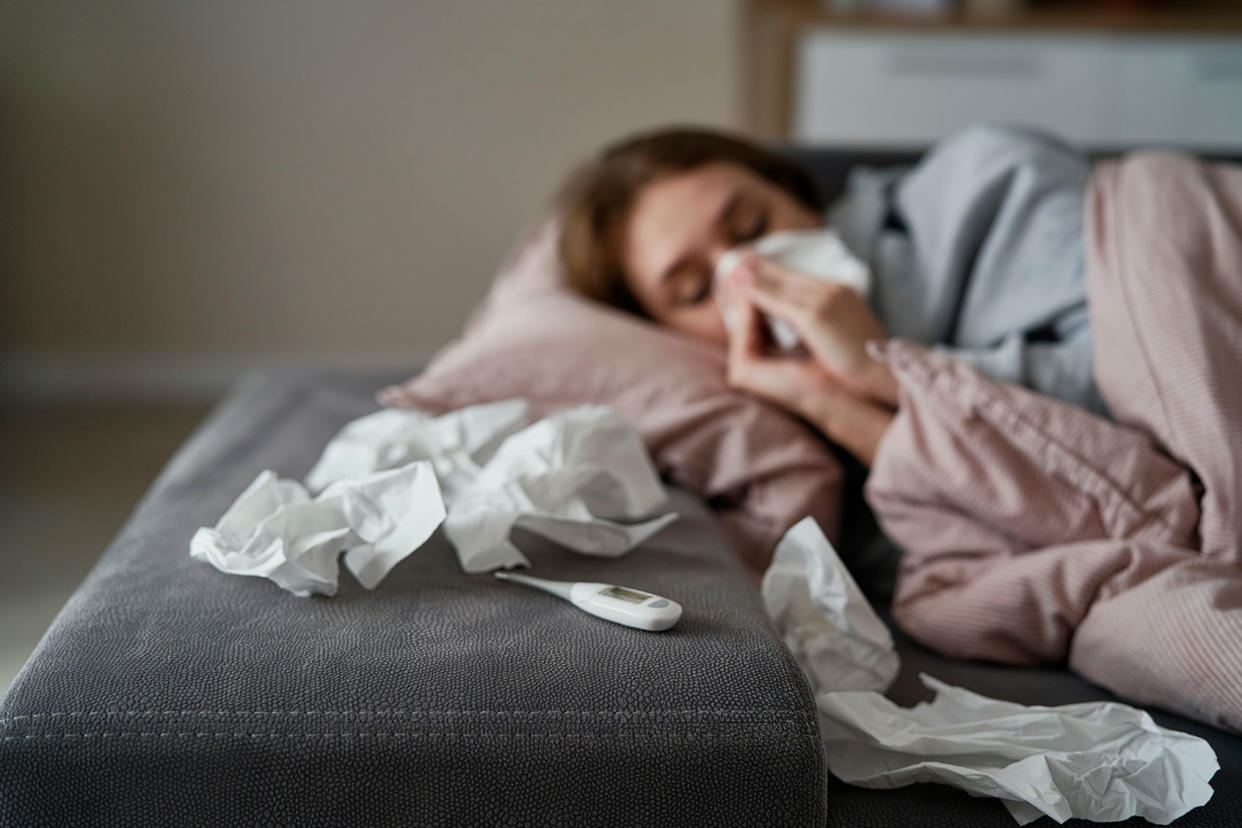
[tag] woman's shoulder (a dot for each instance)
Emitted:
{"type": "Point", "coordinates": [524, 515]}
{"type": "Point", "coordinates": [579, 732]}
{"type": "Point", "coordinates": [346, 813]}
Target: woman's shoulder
{"type": "Point", "coordinates": [990, 143]}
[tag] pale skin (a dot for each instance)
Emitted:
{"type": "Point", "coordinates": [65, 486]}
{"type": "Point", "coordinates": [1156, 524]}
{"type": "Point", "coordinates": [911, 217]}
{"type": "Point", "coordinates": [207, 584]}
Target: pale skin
{"type": "Point", "coordinates": [677, 230]}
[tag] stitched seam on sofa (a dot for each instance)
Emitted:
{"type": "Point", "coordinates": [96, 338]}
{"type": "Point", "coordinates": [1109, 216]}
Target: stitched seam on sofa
{"type": "Point", "coordinates": [448, 735]}
{"type": "Point", "coordinates": [399, 734]}
{"type": "Point", "coordinates": [396, 712]}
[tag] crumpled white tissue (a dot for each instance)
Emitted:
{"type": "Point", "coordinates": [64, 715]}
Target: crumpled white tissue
{"type": "Point", "coordinates": [1102, 761]}
{"type": "Point", "coordinates": [275, 529]}
{"type": "Point", "coordinates": [457, 444]}
{"type": "Point", "coordinates": [833, 633]}
{"type": "Point", "coordinates": [568, 477]}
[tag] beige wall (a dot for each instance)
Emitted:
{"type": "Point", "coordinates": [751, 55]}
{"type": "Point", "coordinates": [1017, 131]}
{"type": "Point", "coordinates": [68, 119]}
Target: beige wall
{"type": "Point", "coordinates": [190, 179]}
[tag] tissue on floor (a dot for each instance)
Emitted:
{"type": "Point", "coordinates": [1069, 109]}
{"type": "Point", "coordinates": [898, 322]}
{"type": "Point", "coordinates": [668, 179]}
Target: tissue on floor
{"type": "Point", "coordinates": [1103, 761]}
{"type": "Point", "coordinates": [276, 530]}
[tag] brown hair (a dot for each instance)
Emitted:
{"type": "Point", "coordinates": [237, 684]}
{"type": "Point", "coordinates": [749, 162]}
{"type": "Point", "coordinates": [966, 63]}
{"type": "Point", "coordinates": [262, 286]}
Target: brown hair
{"type": "Point", "coordinates": [596, 199]}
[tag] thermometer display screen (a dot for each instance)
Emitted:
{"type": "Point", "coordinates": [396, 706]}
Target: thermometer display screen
{"type": "Point", "coordinates": [626, 594]}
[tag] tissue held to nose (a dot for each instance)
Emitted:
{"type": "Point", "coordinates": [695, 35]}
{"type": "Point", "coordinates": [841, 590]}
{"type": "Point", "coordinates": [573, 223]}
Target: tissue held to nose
{"type": "Point", "coordinates": [818, 252]}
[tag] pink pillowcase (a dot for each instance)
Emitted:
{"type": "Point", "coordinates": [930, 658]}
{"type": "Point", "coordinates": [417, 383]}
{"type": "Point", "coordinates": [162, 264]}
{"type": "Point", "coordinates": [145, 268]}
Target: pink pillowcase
{"type": "Point", "coordinates": [532, 337]}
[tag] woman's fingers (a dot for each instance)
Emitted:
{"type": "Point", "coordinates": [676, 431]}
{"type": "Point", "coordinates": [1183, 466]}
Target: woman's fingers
{"type": "Point", "coordinates": [833, 321]}
{"type": "Point", "coordinates": [746, 336]}
{"type": "Point", "coordinates": [787, 294]}
{"type": "Point", "coordinates": [802, 388]}
{"type": "Point", "coordinates": [789, 383]}
{"type": "Point", "coordinates": [746, 341]}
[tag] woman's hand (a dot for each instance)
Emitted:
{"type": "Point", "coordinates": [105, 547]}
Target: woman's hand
{"type": "Point", "coordinates": [833, 322]}
{"type": "Point", "coordinates": [801, 386]}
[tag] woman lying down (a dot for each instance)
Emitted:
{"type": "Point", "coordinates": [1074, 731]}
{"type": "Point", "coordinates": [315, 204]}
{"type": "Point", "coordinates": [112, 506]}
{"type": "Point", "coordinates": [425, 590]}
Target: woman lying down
{"type": "Point", "coordinates": [1063, 467]}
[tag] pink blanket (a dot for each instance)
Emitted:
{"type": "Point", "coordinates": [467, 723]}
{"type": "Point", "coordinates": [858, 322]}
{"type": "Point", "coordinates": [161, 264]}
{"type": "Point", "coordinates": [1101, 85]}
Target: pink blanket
{"type": "Point", "coordinates": [1036, 532]}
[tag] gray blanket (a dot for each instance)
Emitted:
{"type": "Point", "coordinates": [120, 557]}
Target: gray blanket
{"type": "Point", "coordinates": [979, 250]}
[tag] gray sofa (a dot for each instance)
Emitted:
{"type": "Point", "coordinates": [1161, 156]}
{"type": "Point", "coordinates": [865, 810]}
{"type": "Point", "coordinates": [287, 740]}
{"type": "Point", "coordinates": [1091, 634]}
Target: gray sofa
{"type": "Point", "coordinates": [168, 693]}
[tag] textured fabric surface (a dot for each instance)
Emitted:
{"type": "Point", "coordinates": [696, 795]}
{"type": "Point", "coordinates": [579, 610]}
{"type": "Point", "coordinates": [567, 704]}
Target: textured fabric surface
{"type": "Point", "coordinates": [1035, 531]}
{"type": "Point", "coordinates": [169, 693]}
{"type": "Point", "coordinates": [155, 644]}
{"type": "Point", "coordinates": [1166, 283]}
{"type": "Point", "coordinates": [761, 469]}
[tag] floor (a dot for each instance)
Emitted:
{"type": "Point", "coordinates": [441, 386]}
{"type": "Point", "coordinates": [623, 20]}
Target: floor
{"type": "Point", "coordinates": [69, 478]}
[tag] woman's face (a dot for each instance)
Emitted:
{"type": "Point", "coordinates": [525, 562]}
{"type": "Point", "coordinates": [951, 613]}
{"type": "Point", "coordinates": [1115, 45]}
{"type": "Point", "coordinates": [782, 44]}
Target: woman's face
{"type": "Point", "coordinates": [680, 226]}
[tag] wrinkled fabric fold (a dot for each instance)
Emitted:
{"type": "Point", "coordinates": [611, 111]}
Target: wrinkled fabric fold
{"type": "Point", "coordinates": [1034, 531]}
{"type": "Point", "coordinates": [979, 250]}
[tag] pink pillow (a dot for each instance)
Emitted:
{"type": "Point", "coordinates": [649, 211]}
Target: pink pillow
{"type": "Point", "coordinates": [532, 337]}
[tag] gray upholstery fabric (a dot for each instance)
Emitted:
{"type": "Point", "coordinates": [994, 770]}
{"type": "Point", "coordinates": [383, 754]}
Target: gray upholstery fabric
{"type": "Point", "coordinates": [169, 693]}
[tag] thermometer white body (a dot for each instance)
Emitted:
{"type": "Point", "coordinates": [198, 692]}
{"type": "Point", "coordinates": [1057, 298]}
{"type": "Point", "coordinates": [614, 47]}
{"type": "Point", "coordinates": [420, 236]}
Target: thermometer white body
{"type": "Point", "coordinates": [631, 607]}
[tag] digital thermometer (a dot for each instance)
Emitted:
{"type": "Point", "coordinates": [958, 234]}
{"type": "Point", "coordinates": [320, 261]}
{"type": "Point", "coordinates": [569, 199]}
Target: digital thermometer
{"type": "Point", "coordinates": [630, 607]}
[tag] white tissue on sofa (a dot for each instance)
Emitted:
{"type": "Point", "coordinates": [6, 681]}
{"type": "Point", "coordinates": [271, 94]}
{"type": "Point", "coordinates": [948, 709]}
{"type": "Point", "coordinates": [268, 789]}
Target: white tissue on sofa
{"type": "Point", "coordinates": [275, 529]}
{"type": "Point", "coordinates": [1102, 761]}
{"type": "Point", "coordinates": [390, 478]}
{"type": "Point", "coordinates": [458, 444]}
{"type": "Point", "coordinates": [569, 477]}
{"type": "Point", "coordinates": [827, 623]}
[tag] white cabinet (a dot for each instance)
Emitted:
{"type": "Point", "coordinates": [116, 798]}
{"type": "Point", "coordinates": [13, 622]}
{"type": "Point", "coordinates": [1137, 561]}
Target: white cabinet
{"type": "Point", "coordinates": [1180, 91]}
{"type": "Point", "coordinates": [908, 89]}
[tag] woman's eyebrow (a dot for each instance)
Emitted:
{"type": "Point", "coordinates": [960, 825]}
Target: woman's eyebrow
{"type": "Point", "coordinates": [722, 217]}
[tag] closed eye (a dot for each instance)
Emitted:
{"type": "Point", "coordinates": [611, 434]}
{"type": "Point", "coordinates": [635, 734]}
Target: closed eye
{"type": "Point", "coordinates": [748, 222]}
{"type": "Point", "coordinates": [756, 228]}
{"type": "Point", "coordinates": [699, 295]}
{"type": "Point", "coordinates": [695, 286]}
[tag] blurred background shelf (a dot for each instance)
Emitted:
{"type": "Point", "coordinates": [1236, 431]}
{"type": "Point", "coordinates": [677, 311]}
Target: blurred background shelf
{"type": "Point", "coordinates": [1213, 16]}
{"type": "Point", "coordinates": [1102, 74]}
